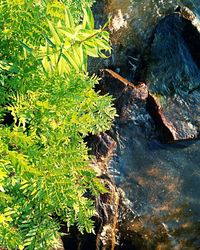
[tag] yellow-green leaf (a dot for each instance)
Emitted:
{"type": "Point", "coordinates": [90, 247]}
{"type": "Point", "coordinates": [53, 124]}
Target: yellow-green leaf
{"type": "Point", "coordinates": [69, 22]}
{"type": "Point", "coordinates": [55, 35]}
{"type": "Point", "coordinates": [88, 19]}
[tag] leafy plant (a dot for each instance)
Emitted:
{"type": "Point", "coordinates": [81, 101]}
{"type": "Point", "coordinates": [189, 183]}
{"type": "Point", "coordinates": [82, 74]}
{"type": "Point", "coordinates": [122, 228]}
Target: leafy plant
{"type": "Point", "coordinates": [46, 91]}
{"type": "Point", "coordinates": [69, 46]}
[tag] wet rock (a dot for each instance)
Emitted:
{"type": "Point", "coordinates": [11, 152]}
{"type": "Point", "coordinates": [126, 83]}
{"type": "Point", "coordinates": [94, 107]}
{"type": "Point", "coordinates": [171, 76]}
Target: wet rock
{"type": "Point", "coordinates": [130, 100]}
{"type": "Point", "coordinates": [181, 115]}
{"type": "Point", "coordinates": [154, 182]}
{"type": "Point", "coordinates": [102, 146]}
{"type": "Point", "coordinates": [107, 206]}
{"type": "Point", "coordinates": [158, 179]}
{"type": "Point", "coordinates": [173, 74]}
{"type": "Point", "coordinates": [131, 27]}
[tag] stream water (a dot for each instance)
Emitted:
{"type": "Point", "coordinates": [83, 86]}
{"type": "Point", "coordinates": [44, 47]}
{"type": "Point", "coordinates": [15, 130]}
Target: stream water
{"type": "Point", "coordinates": [162, 183]}
{"type": "Point", "coordinates": [160, 180]}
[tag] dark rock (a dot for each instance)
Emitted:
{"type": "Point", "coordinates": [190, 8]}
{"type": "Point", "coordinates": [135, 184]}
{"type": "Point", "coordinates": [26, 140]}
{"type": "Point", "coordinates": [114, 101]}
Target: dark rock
{"type": "Point", "coordinates": [153, 179]}
{"type": "Point", "coordinates": [131, 26]}
{"type": "Point", "coordinates": [157, 145]}
{"type": "Point", "coordinates": [181, 115]}
{"type": "Point", "coordinates": [107, 206]}
{"type": "Point", "coordinates": [130, 100]}
{"type": "Point", "coordinates": [101, 146]}
{"type": "Point", "coordinates": [173, 74]}
{"type": "Point", "coordinates": [162, 124]}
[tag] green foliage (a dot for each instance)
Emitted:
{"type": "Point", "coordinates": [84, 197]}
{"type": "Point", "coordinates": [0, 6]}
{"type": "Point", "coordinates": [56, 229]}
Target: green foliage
{"type": "Point", "coordinates": [45, 168]}
{"type": "Point", "coordinates": [75, 7]}
{"type": "Point", "coordinates": [70, 45]}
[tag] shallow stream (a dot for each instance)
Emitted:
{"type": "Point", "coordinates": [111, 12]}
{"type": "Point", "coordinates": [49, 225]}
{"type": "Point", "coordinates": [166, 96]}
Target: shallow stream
{"type": "Point", "coordinates": [162, 181]}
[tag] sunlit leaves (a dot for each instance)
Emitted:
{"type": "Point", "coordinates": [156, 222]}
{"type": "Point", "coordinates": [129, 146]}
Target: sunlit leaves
{"type": "Point", "coordinates": [70, 46]}
{"type": "Point", "coordinates": [88, 19]}
{"type": "Point", "coordinates": [48, 105]}
{"type": "Point", "coordinates": [69, 21]}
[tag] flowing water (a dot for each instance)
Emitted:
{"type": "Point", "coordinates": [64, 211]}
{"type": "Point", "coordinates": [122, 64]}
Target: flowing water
{"type": "Point", "coordinates": [162, 181]}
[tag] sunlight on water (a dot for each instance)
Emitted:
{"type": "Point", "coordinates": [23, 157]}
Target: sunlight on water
{"type": "Point", "coordinates": [161, 181]}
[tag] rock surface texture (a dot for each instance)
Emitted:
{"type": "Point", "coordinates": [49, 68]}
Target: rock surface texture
{"type": "Point", "coordinates": [129, 99]}
{"type": "Point", "coordinates": [150, 172]}
{"type": "Point", "coordinates": [173, 73]}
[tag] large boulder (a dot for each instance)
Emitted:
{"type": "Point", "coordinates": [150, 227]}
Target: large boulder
{"type": "Point", "coordinates": [173, 73]}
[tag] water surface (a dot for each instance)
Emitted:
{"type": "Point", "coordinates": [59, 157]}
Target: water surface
{"type": "Point", "coordinates": [161, 181]}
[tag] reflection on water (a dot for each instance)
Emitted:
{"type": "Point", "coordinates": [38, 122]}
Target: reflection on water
{"type": "Point", "coordinates": [161, 181]}
{"type": "Point", "coordinates": [163, 185]}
